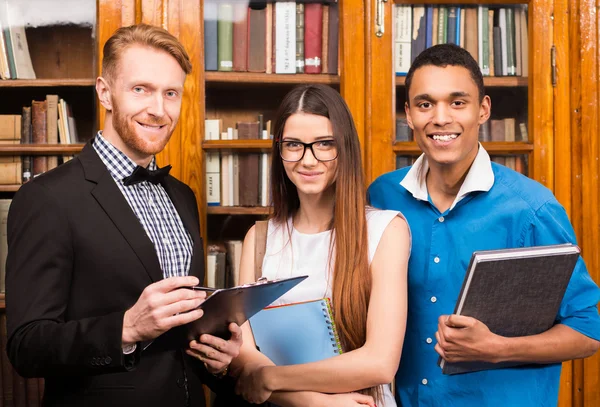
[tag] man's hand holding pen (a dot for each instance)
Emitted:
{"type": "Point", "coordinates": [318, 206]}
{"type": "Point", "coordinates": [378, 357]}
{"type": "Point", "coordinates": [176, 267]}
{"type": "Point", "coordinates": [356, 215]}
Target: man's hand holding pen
{"type": "Point", "coordinates": [163, 305]}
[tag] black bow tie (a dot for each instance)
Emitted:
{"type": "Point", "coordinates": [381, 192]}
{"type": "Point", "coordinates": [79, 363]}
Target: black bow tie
{"type": "Point", "coordinates": [141, 174]}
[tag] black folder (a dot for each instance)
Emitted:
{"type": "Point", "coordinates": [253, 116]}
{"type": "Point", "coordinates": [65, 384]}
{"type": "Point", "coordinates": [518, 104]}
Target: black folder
{"type": "Point", "coordinates": [515, 292]}
{"type": "Point", "coordinates": [236, 304]}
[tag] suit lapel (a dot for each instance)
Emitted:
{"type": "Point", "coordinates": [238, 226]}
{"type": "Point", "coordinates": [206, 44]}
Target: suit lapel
{"type": "Point", "coordinates": [186, 212]}
{"type": "Point", "coordinates": [110, 198]}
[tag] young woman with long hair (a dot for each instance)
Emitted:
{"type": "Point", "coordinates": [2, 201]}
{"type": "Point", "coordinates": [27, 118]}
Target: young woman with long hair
{"type": "Point", "coordinates": [355, 255]}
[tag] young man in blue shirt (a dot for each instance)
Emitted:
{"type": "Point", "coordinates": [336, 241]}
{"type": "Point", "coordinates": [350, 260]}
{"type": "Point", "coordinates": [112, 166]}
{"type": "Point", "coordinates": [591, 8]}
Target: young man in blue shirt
{"type": "Point", "coordinates": [457, 201]}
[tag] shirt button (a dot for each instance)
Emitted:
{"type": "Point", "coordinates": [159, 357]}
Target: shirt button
{"type": "Point", "coordinates": [436, 259]}
{"type": "Point", "coordinates": [424, 381]}
{"type": "Point", "coordinates": [441, 218]}
{"type": "Point", "coordinates": [428, 340]}
{"type": "Point", "coordinates": [433, 299]}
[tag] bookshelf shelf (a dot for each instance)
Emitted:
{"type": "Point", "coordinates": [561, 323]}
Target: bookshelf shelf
{"type": "Point", "coordinates": [241, 78]}
{"type": "Point", "coordinates": [457, 2]}
{"type": "Point", "coordinates": [42, 83]}
{"type": "Point", "coordinates": [490, 81]}
{"type": "Point", "coordinates": [245, 145]}
{"type": "Point", "coordinates": [9, 188]}
{"type": "Point", "coordinates": [37, 149]}
{"type": "Point", "coordinates": [239, 210]}
{"type": "Point", "coordinates": [493, 147]}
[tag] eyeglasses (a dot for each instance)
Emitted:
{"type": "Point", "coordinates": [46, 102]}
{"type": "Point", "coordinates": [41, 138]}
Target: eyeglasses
{"type": "Point", "coordinates": [322, 150]}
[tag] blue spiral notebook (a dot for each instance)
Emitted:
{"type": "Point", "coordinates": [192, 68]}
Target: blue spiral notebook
{"type": "Point", "coordinates": [296, 333]}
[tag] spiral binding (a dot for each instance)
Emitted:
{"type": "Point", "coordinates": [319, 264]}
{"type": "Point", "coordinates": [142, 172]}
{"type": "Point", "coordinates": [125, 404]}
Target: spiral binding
{"type": "Point", "coordinates": [328, 314]}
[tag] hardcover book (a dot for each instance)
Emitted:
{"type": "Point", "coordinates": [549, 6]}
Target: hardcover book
{"type": "Point", "coordinates": [515, 292]}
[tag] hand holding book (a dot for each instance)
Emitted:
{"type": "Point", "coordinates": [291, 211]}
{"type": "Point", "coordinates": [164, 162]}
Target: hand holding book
{"type": "Point", "coordinates": [506, 293]}
{"type": "Point", "coordinates": [462, 339]}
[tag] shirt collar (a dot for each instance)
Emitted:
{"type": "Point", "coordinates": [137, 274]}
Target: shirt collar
{"type": "Point", "coordinates": [479, 178]}
{"type": "Point", "coordinates": [118, 164]}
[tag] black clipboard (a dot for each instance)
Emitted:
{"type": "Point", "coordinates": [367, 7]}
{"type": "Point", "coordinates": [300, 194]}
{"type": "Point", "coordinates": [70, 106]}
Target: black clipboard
{"type": "Point", "coordinates": [237, 305]}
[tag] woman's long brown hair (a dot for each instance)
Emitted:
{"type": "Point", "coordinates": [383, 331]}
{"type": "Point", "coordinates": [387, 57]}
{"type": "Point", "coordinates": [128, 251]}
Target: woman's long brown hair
{"type": "Point", "coordinates": [351, 286]}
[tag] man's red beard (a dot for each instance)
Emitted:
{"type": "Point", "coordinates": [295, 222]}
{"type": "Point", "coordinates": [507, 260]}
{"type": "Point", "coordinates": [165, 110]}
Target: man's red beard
{"type": "Point", "coordinates": [126, 131]}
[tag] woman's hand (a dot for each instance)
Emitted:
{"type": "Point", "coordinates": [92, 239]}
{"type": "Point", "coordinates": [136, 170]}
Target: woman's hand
{"type": "Point", "coordinates": [346, 400]}
{"type": "Point", "coordinates": [217, 353]}
{"type": "Point", "coordinates": [251, 384]}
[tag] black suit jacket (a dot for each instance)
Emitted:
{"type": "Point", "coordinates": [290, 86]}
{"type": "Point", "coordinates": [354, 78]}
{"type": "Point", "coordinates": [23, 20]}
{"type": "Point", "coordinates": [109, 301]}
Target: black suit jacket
{"type": "Point", "coordinates": [78, 259]}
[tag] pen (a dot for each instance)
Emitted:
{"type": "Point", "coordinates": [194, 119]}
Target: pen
{"type": "Point", "coordinates": [200, 288]}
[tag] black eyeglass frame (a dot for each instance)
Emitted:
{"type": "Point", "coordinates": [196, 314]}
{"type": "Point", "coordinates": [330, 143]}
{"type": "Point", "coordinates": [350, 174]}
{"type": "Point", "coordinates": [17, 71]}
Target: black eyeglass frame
{"type": "Point", "coordinates": [305, 145]}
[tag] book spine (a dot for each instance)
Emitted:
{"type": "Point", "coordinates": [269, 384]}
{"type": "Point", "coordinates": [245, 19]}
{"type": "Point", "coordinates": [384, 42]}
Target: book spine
{"type": "Point", "coordinates": [210, 37]}
{"type": "Point", "coordinates": [328, 313]}
{"type": "Point", "coordinates": [4, 65]}
{"type": "Point", "coordinates": [285, 37]}
{"type": "Point", "coordinates": [38, 134]}
{"type": "Point", "coordinates": [20, 48]}
{"type": "Point", "coordinates": [10, 127]}
{"type": "Point", "coordinates": [213, 164]}
{"type": "Point", "coordinates": [524, 42]}
{"type": "Point", "coordinates": [52, 126]}
{"type": "Point", "coordinates": [240, 37]}
{"type": "Point", "coordinates": [471, 32]}
{"type": "Point", "coordinates": [299, 38]}
{"type": "Point", "coordinates": [332, 53]}
{"type": "Point", "coordinates": [225, 38]}
{"type": "Point", "coordinates": [442, 25]}
{"type": "Point", "coordinates": [313, 38]}
{"type": "Point", "coordinates": [257, 40]}
{"type": "Point", "coordinates": [402, 40]}
{"type": "Point", "coordinates": [490, 35]}
{"type": "Point", "coordinates": [451, 26]}
{"type": "Point", "coordinates": [510, 41]}
{"type": "Point", "coordinates": [11, 173]}
{"type": "Point", "coordinates": [248, 166]}
{"type": "Point", "coordinates": [418, 31]}
{"type": "Point", "coordinates": [504, 39]}
{"type": "Point", "coordinates": [429, 27]}
{"type": "Point", "coordinates": [325, 40]}
{"type": "Point", "coordinates": [26, 139]}
{"type": "Point", "coordinates": [497, 36]}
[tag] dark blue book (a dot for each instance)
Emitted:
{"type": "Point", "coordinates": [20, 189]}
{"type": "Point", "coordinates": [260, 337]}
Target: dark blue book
{"type": "Point", "coordinates": [210, 36]}
{"type": "Point", "coordinates": [458, 21]}
{"type": "Point", "coordinates": [429, 26]}
{"type": "Point", "coordinates": [451, 26]}
{"type": "Point", "coordinates": [418, 32]}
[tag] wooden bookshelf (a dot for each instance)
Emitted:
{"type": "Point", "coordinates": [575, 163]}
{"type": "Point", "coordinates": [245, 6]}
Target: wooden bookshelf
{"type": "Point", "coordinates": [2, 301]}
{"type": "Point", "coordinates": [40, 149]}
{"type": "Point", "coordinates": [43, 83]}
{"type": "Point", "coordinates": [239, 210]}
{"type": "Point", "coordinates": [489, 81]}
{"type": "Point", "coordinates": [240, 78]}
{"type": "Point", "coordinates": [492, 147]}
{"type": "Point", "coordinates": [243, 145]}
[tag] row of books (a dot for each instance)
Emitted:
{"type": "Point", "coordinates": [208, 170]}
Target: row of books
{"type": "Point", "coordinates": [505, 129]}
{"type": "Point", "coordinates": [223, 263]}
{"type": "Point", "coordinates": [15, 61]}
{"type": "Point", "coordinates": [16, 390]}
{"type": "Point", "coordinates": [285, 37]}
{"type": "Point", "coordinates": [496, 37]}
{"type": "Point", "coordinates": [4, 207]}
{"type": "Point", "coordinates": [237, 179]}
{"type": "Point", "coordinates": [514, 162]}
{"type": "Point", "coordinates": [48, 121]}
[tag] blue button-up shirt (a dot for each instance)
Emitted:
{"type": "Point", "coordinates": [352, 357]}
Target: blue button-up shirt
{"type": "Point", "coordinates": [495, 208]}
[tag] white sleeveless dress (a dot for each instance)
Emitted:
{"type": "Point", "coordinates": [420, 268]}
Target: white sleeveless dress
{"type": "Point", "coordinates": [308, 254]}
